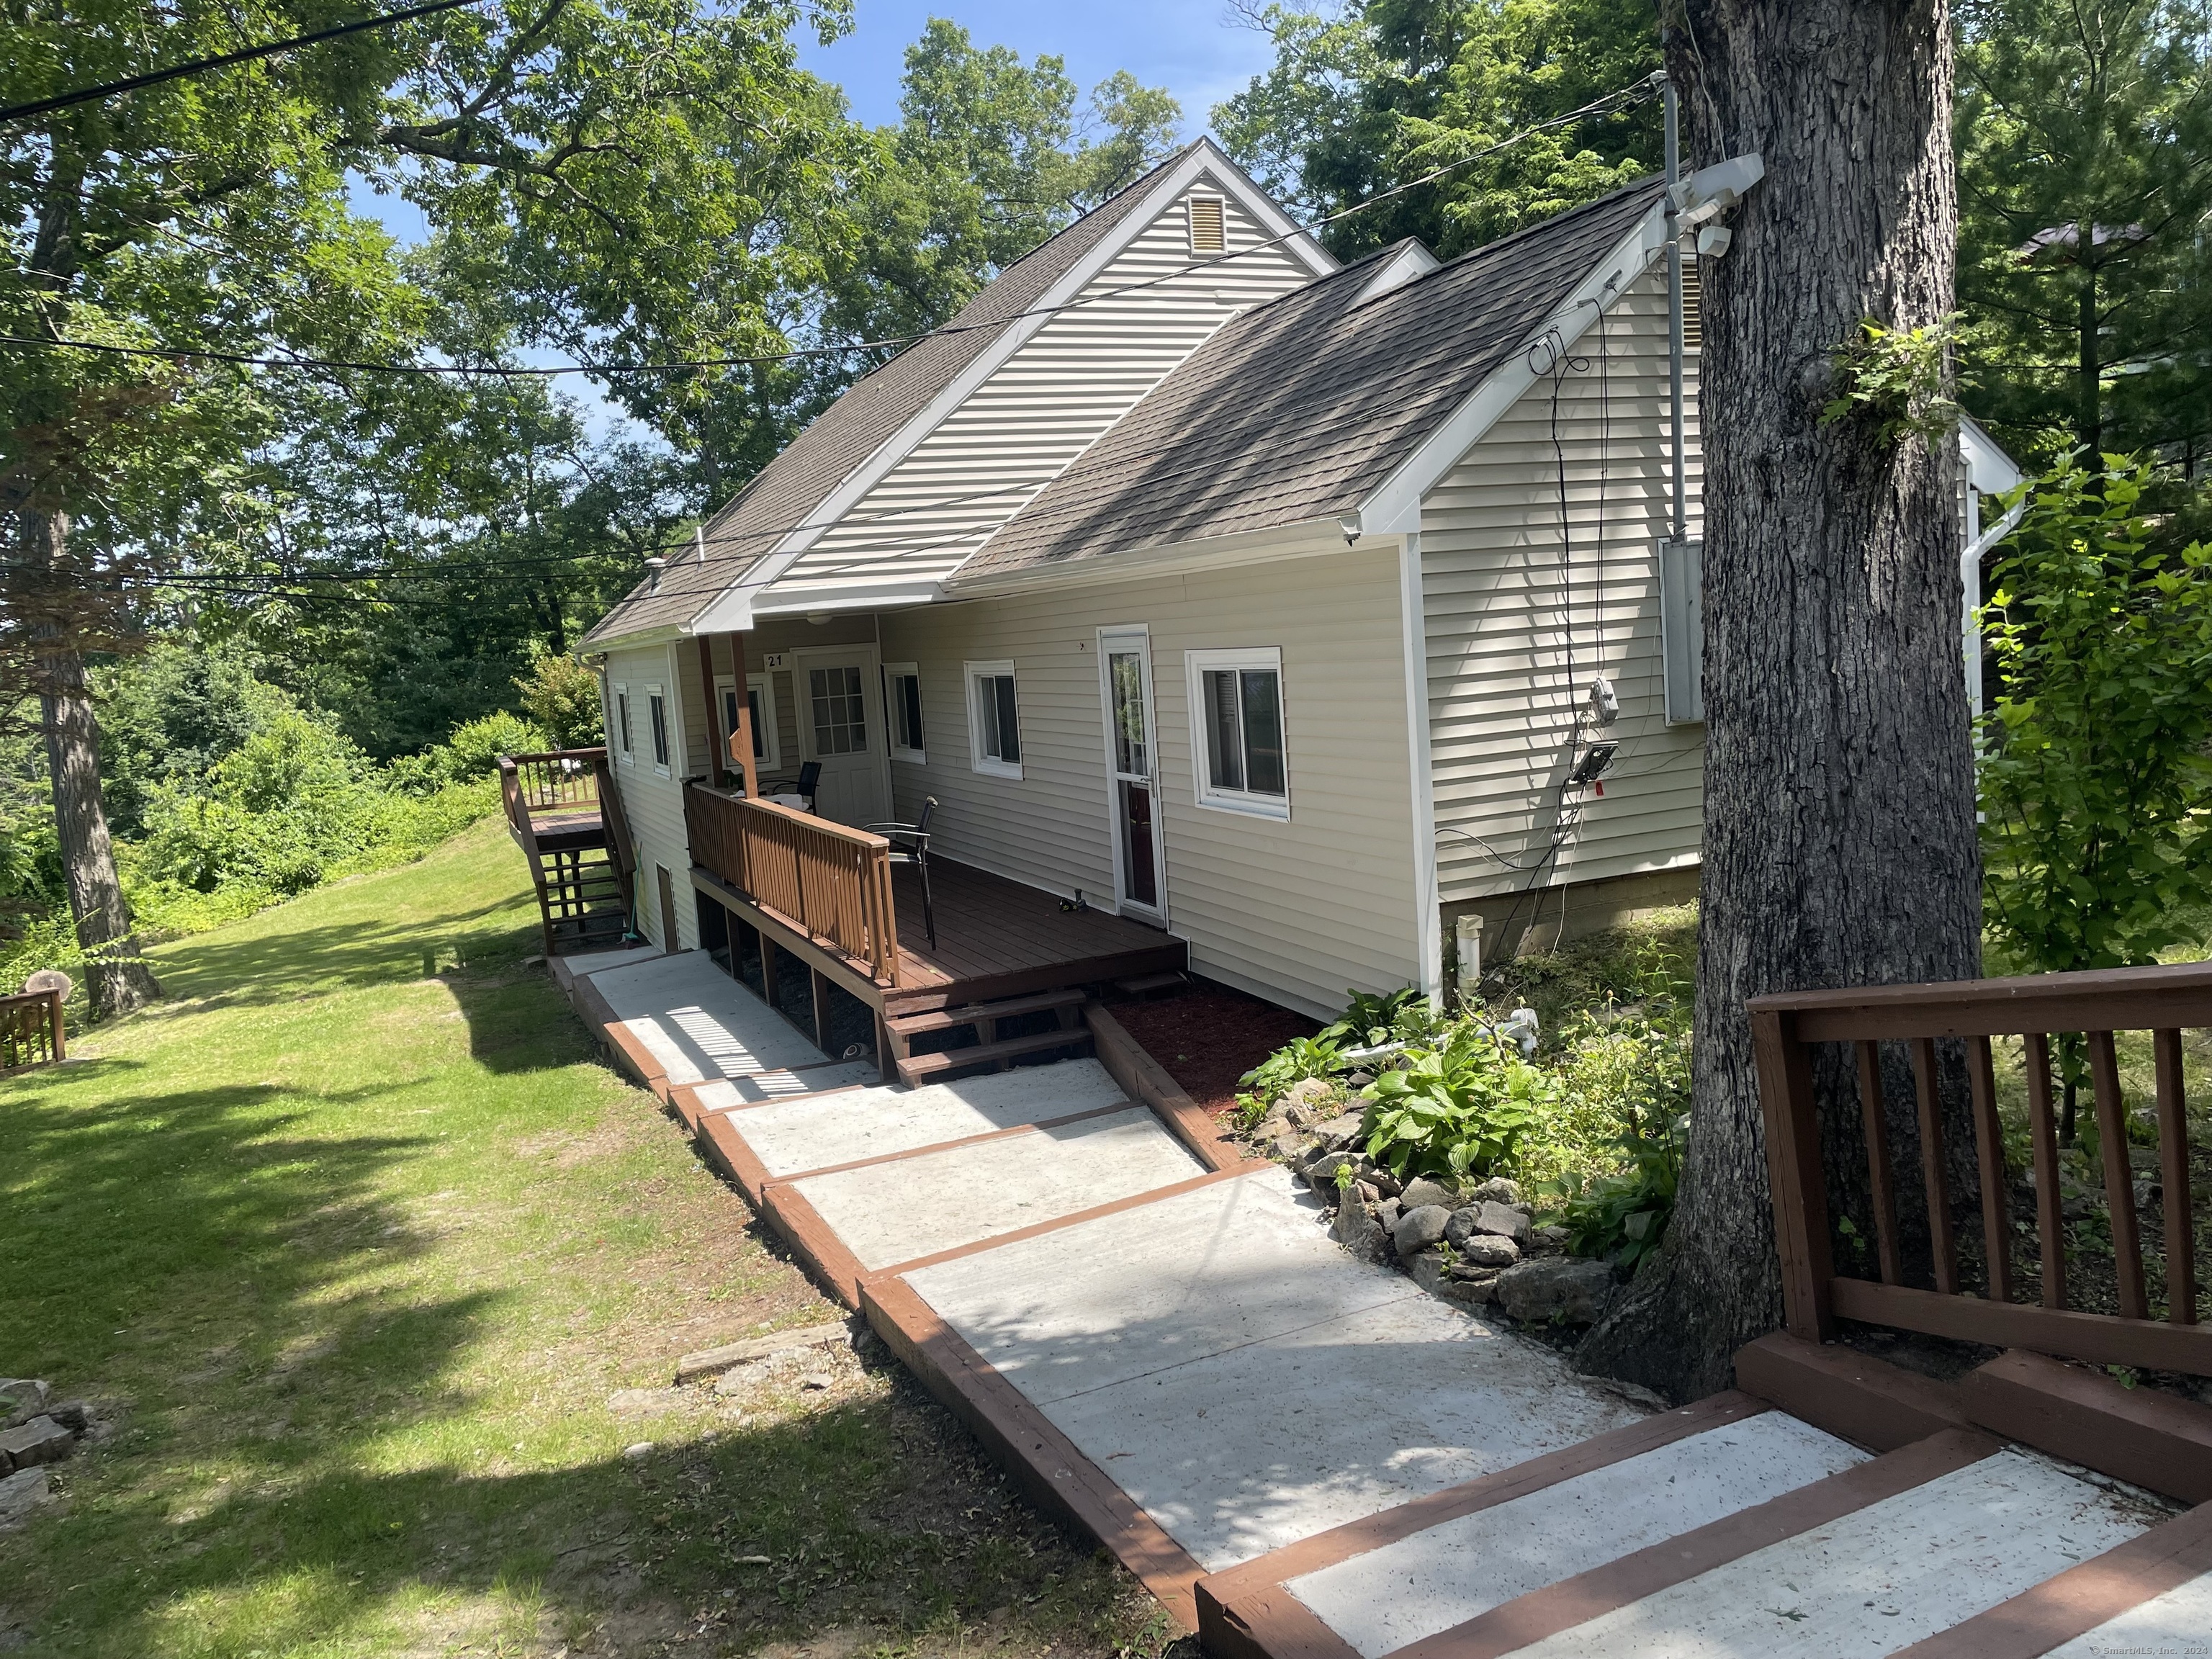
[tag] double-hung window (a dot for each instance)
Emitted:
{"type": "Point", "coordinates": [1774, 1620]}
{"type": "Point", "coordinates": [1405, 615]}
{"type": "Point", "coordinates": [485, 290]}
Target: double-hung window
{"type": "Point", "coordinates": [902, 695]}
{"type": "Point", "coordinates": [656, 716]}
{"type": "Point", "coordinates": [993, 724]}
{"type": "Point", "coordinates": [621, 726]}
{"type": "Point", "coordinates": [759, 701]}
{"type": "Point", "coordinates": [1237, 731]}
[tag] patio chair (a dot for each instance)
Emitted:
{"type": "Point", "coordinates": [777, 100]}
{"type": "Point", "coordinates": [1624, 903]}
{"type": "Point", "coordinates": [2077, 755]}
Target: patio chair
{"type": "Point", "coordinates": [910, 846]}
{"type": "Point", "coordinates": [810, 777]}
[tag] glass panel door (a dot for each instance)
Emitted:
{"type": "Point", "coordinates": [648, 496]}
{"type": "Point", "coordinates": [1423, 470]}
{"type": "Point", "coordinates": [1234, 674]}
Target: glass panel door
{"type": "Point", "coordinates": [1126, 662]}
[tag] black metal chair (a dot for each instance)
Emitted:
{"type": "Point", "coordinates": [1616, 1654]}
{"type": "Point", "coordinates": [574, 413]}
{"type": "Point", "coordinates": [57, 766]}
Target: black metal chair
{"type": "Point", "coordinates": [910, 846]}
{"type": "Point", "coordinates": [809, 778]}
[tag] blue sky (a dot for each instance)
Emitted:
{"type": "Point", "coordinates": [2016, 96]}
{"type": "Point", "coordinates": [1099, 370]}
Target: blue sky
{"type": "Point", "coordinates": [1193, 48]}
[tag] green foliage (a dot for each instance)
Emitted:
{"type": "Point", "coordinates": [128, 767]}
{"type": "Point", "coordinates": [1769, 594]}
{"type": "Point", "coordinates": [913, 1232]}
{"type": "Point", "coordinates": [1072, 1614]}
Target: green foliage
{"type": "Point", "coordinates": [2084, 137]}
{"type": "Point", "coordinates": [1463, 1109]}
{"type": "Point", "coordinates": [2095, 773]}
{"type": "Point", "coordinates": [562, 698]}
{"type": "Point", "coordinates": [1298, 1059]}
{"type": "Point", "coordinates": [1622, 1215]}
{"type": "Point", "coordinates": [1895, 378]}
{"type": "Point", "coordinates": [1370, 1020]}
{"type": "Point", "coordinates": [1365, 96]}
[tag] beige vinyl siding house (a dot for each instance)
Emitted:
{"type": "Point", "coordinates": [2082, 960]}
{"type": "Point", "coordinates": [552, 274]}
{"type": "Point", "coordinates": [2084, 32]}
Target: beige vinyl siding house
{"type": "Point", "coordinates": [652, 787]}
{"type": "Point", "coordinates": [1375, 531]}
{"type": "Point", "coordinates": [1296, 908]}
{"type": "Point", "coordinates": [1502, 619]}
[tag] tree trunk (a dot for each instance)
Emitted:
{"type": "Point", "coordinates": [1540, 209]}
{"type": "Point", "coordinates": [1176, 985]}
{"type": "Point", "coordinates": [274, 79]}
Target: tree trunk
{"type": "Point", "coordinates": [2089, 372]}
{"type": "Point", "coordinates": [117, 977]}
{"type": "Point", "coordinates": [1840, 842]}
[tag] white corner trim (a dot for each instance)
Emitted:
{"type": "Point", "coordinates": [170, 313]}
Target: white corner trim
{"type": "Point", "coordinates": [1428, 921]}
{"type": "Point", "coordinates": [1989, 469]}
{"type": "Point", "coordinates": [1205, 162]}
{"type": "Point", "coordinates": [1394, 507]}
{"type": "Point", "coordinates": [1409, 262]}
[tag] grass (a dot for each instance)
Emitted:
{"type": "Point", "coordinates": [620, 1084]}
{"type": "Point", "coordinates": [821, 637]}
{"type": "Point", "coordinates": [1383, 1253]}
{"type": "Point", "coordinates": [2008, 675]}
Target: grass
{"type": "Point", "coordinates": [372, 1278]}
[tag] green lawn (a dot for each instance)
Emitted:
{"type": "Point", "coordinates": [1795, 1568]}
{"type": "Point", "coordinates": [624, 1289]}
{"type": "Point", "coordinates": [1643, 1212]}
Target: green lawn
{"type": "Point", "coordinates": [352, 1260]}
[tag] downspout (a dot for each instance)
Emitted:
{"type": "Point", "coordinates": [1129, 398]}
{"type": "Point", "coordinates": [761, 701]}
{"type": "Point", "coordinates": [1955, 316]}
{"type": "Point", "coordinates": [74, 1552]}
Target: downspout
{"type": "Point", "coordinates": [1680, 530]}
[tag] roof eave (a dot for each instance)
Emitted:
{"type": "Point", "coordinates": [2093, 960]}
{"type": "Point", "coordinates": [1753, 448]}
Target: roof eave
{"type": "Point", "coordinates": [1299, 538]}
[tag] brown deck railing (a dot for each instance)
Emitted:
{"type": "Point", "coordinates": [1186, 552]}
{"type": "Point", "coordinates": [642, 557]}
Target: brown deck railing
{"type": "Point", "coordinates": [31, 1030]}
{"type": "Point", "coordinates": [2089, 1007]}
{"type": "Point", "coordinates": [830, 880]}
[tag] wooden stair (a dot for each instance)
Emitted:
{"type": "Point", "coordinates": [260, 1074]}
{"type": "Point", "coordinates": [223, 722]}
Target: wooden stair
{"type": "Point", "coordinates": [577, 841]}
{"type": "Point", "coordinates": [990, 1051]}
{"type": "Point", "coordinates": [580, 899]}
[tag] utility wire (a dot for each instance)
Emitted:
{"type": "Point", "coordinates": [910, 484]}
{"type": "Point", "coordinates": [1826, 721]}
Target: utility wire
{"type": "Point", "coordinates": [201, 65]}
{"type": "Point", "coordinates": [1624, 98]}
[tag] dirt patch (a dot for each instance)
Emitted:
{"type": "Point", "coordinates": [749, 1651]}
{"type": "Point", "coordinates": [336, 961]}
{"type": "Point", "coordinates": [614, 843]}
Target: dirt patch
{"type": "Point", "coordinates": [1209, 1035]}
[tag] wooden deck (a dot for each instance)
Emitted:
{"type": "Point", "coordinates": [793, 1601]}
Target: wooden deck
{"type": "Point", "coordinates": [999, 938]}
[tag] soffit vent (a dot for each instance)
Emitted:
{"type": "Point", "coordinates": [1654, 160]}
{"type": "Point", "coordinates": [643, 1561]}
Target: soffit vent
{"type": "Point", "coordinates": [1208, 233]}
{"type": "Point", "coordinates": [1694, 332]}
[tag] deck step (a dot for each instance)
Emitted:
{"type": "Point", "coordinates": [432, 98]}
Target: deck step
{"type": "Point", "coordinates": [1144, 984]}
{"type": "Point", "coordinates": [913, 1069]}
{"type": "Point", "coordinates": [946, 1019]}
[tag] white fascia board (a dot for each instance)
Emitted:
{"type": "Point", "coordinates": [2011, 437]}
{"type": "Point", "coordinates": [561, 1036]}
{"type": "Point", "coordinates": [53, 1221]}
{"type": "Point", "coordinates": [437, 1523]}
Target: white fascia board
{"type": "Point", "coordinates": [847, 596]}
{"type": "Point", "coordinates": [1205, 162]}
{"type": "Point", "coordinates": [1307, 538]}
{"type": "Point", "coordinates": [644, 638]}
{"type": "Point", "coordinates": [1394, 507]}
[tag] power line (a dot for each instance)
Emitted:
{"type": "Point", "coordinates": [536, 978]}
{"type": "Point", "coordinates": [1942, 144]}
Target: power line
{"type": "Point", "coordinates": [200, 65]}
{"type": "Point", "coordinates": [1623, 98]}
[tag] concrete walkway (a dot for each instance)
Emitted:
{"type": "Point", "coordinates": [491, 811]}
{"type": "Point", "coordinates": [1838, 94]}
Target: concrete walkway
{"type": "Point", "coordinates": [1304, 1453]}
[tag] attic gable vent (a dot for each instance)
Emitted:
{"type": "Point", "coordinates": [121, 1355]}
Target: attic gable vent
{"type": "Point", "coordinates": [1208, 235]}
{"type": "Point", "coordinates": [1694, 332]}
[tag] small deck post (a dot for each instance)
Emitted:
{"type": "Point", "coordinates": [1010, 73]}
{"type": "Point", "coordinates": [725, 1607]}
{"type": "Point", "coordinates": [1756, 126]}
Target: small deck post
{"type": "Point", "coordinates": [820, 985]}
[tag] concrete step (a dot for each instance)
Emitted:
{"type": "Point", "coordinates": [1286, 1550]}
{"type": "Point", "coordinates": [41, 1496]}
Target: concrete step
{"type": "Point", "coordinates": [790, 1138]}
{"type": "Point", "coordinates": [914, 1070]}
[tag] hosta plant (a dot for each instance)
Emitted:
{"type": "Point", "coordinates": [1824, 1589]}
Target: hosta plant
{"type": "Point", "coordinates": [1294, 1062]}
{"type": "Point", "coordinates": [1461, 1109]}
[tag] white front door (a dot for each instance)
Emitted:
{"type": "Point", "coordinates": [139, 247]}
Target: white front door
{"type": "Point", "coordinates": [840, 725]}
{"type": "Point", "coordinates": [1125, 667]}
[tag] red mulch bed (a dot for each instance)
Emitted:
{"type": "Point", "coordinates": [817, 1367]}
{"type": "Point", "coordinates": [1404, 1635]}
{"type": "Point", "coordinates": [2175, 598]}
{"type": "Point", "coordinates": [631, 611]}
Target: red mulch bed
{"type": "Point", "coordinates": [1209, 1035]}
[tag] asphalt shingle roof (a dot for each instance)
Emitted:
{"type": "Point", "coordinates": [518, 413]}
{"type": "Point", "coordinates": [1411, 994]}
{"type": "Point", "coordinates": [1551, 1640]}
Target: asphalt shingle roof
{"type": "Point", "coordinates": [1299, 409]}
{"type": "Point", "coordinates": [843, 436]}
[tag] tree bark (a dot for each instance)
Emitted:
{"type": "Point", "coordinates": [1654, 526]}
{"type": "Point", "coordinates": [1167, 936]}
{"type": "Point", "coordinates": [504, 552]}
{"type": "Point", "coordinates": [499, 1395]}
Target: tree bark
{"type": "Point", "coordinates": [117, 978]}
{"type": "Point", "coordinates": [1840, 842]}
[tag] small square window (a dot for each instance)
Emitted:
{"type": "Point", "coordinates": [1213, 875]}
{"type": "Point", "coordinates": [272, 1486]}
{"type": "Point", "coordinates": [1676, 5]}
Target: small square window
{"type": "Point", "coordinates": [903, 696]}
{"type": "Point", "coordinates": [1237, 731]}
{"type": "Point", "coordinates": [656, 715]}
{"type": "Point", "coordinates": [994, 720]}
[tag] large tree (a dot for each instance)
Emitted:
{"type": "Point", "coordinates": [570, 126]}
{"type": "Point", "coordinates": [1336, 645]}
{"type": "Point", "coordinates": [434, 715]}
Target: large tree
{"type": "Point", "coordinates": [1840, 842]}
{"type": "Point", "coordinates": [2085, 147]}
{"type": "Point", "coordinates": [635, 172]}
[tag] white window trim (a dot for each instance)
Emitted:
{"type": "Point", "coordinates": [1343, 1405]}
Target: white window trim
{"type": "Point", "coordinates": [771, 756]}
{"type": "Point", "coordinates": [663, 769]}
{"type": "Point", "coordinates": [969, 673]}
{"type": "Point", "coordinates": [1244, 802]}
{"type": "Point", "coordinates": [617, 710]}
{"type": "Point", "coordinates": [912, 756]}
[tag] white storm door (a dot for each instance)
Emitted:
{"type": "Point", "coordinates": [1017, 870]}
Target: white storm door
{"type": "Point", "coordinates": [1125, 667]}
{"type": "Point", "coordinates": [840, 724]}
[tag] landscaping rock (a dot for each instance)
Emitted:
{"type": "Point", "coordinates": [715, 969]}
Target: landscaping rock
{"type": "Point", "coordinates": [1570, 1290]}
{"type": "Point", "coordinates": [1499, 1190]}
{"type": "Point", "coordinates": [41, 1440]}
{"type": "Point", "coordinates": [1384, 1181]}
{"type": "Point", "coordinates": [1294, 1147]}
{"type": "Point", "coordinates": [1307, 1101]}
{"type": "Point", "coordinates": [1388, 1212]}
{"type": "Point", "coordinates": [711, 1362]}
{"type": "Point", "coordinates": [1359, 1233]}
{"type": "Point", "coordinates": [1548, 1241]}
{"type": "Point", "coordinates": [75, 1415]}
{"type": "Point", "coordinates": [1498, 1220]}
{"type": "Point", "coordinates": [1418, 1228]}
{"type": "Point", "coordinates": [21, 1399]}
{"type": "Point", "coordinates": [1489, 1250]}
{"type": "Point", "coordinates": [1320, 1172]}
{"type": "Point", "coordinates": [1359, 1079]}
{"type": "Point", "coordinates": [21, 1493]}
{"type": "Point", "coordinates": [1339, 1130]}
{"type": "Point", "coordinates": [1427, 1189]}
{"type": "Point", "coordinates": [1275, 1124]}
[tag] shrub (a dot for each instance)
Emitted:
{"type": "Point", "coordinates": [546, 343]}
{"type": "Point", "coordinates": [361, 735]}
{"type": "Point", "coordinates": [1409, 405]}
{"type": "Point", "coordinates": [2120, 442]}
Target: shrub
{"type": "Point", "coordinates": [1460, 1109]}
{"type": "Point", "coordinates": [562, 697]}
{"type": "Point", "coordinates": [1622, 1216]}
{"type": "Point", "coordinates": [1368, 1022]}
{"type": "Point", "coordinates": [1297, 1060]}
